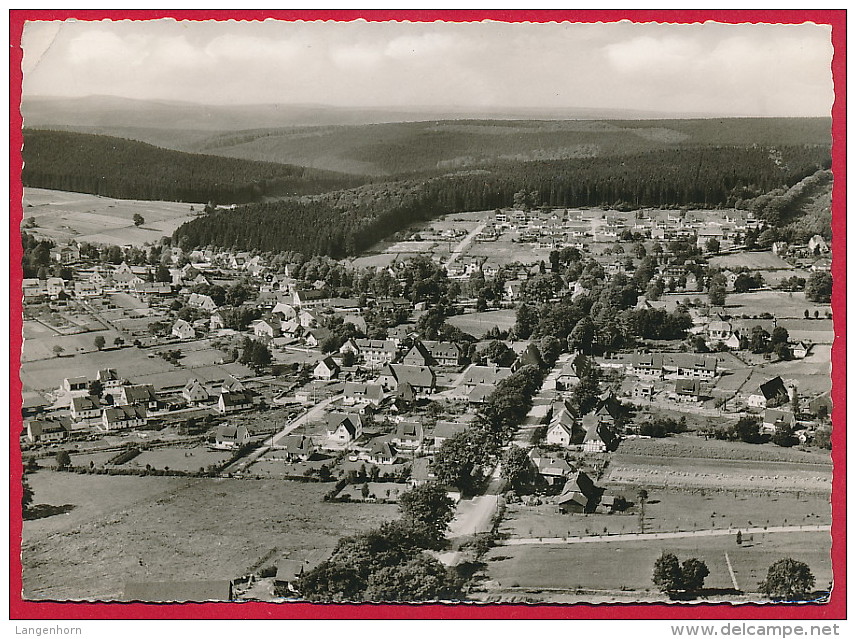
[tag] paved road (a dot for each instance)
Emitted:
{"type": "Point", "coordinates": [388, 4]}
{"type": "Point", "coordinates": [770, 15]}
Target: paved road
{"type": "Point", "coordinates": [463, 245]}
{"type": "Point", "coordinates": [718, 532]}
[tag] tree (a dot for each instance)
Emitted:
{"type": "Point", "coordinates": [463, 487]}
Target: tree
{"type": "Point", "coordinates": [748, 430]}
{"type": "Point", "coordinates": [818, 287]}
{"type": "Point", "coordinates": [138, 219]}
{"type": "Point", "coordinates": [99, 342]}
{"type": "Point", "coordinates": [118, 342]}
{"type": "Point", "coordinates": [63, 459]}
{"type": "Point", "coordinates": [582, 335]}
{"type": "Point", "coordinates": [95, 388]}
{"type": "Point", "coordinates": [422, 578]}
{"type": "Point", "coordinates": [517, 467]}
{"type": "Point", "coordinates": [58, 350]}
{"type": "Point", "coordinates": [784, 436]}
{"type": "Point", "coordinates": [459, 460]}
{"type": "Point", "coordinates": [668, 576]}
{"type": "Point", "coordinates": [779, 336]}
{"type": "Point", "coordinates": [428, 507]}
{"type": "Point", "coordinates": [739, 538]}
{"type": "Point", "coordinates": [550, 348]}
{"type": "Point", "coordinates": [693, 574]}
{"type": "Point", "coordinates": [712, 246]}
{"type": "Point", "coordinates": [162, 274]}
{"type": "Point", "coordinates": [787, 579]}
{"type": "Point", "coordinates": [716, 294]}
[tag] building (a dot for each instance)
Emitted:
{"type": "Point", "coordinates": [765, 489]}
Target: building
{"type": "Point", "coordinates": [408, 434]}
{"type": "Point", "coordinates": [47, 431]}
{"type": "Point", "coordinates": [183, 330]}
{"type": "Point", "coordinates": [270, 328]}
{"type": "Point", "coordinates": [194, 392]}
{"type": "Point", "coordinates": [123, 417]}
{"type": "Point", "coordinates": [326, 369]}
{"type": "Point", "coordinates": [75, 384]}
{"type": "Point", "coordinates": [137, 394]}
{"type": "Point", "coordinates": [771, 394]}
{"type": "Point", "coordinates": [231, 437]}
{"type": "Point", "coordinates": [688, 390]}
{"type": "Point", "coordinates": [418, 355]}
{"type": "Point", "coordinates": [344, 428]}
{"type": "Point", "coordinates": [420, 378]}
{"type": "Point", "coordinates": [356, 392]}
{"type": "Point", "coordinates": [85, 408]}
{"type": "Point", "coordinates": [375, 353]}
{"type": "Point", "coordinates": [444, 430]}
{"type": "Point", "coordinates": [233, 402]}
{"type": "Point", "coordinates": [298, 448]}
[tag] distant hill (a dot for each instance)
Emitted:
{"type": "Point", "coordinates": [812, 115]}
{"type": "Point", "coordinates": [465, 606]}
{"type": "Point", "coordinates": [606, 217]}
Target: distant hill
{"type": "Point", "coordinates": [120, 168]}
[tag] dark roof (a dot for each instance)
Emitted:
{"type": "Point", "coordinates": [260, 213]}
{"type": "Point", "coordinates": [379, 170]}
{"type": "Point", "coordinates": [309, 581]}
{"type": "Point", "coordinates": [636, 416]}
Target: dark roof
{"type": "Point", "coordinates": [236, 398]}
{"type": "Point", "coordinates": [163, 591]}
{"type": "Point", "coordinates": [773, 388]}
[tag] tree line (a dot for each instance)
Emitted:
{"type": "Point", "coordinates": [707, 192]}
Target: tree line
{"type": "Point", "coordinates": [120, 168]}
{"type": "Point", "coordinates": [346, 222]}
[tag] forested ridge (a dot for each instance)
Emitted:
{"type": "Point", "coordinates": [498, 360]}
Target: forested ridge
{"type": "Point", "coordinates": [346, 222]}
{"type": "Point", "coordinates": [127, 169]}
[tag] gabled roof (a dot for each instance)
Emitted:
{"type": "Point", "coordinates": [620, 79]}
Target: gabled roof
{"type": "Point", "coordinates": [409, 430]}
{"type": "Point", "coordinates": [420, 352]}
{"type": "Point", "coordinates": [491, 375]}
{"type": "Point", "coordinates": [116, 414]}
{"type": "Point", "coordinates": [553, 467]}
{"type": "Point", "coordinates": [446, 429]}
{"type": "Point", "coordinates": [350, 421]}
{"type": "Point", "coordinates": [416, 376]}
{"type": "Point", "coordinates": [688, 387]}
{"type": "Point", "coordinates": [83, 403]}
{"type": "Point", "coordinates": [298, 445]}
{"type": "Point", "coordinates": [238, 398]}
{"type": "Point", "coordinates": [773, 388]}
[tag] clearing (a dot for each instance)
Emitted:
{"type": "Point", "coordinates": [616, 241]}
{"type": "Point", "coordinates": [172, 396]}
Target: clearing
{"type": "Point", "coordinates": [162, 528]}
{"type": "Point", "coordinates": [477, 324]}
{"type": "Point", "coordinates": [63, 215]}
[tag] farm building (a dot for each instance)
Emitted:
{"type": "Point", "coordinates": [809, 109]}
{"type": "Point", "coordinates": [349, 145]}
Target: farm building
{"type": "Point", "coordinates": [230, 437]}
{"type": "Point", "coordinates": [123, 417]}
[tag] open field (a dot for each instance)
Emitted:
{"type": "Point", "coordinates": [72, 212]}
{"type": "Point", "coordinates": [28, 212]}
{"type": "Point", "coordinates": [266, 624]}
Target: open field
{"type": "Point", "coordinates": [477, 324]}
{"type": "Point", "coordinates": [679, 446]}
{"type": "Point", "coordinates": [62, 215]}
{"type": "Point", "coordinates": [780, 303]}
{"type": "Point", "coordinates": [753, 260]}
{"type": "Point", "coordinates": [41, 347]}
{"type": "Point", "coordinates": [160, 528]}
{"type": "Point", "coordinates": [49, 373]}
{"type": "Point", "coordinates": [189, 459]}
{"type": "Point", "coordinates": [672, 511]}
{"type": "Point", "coordinates": [627, 565]}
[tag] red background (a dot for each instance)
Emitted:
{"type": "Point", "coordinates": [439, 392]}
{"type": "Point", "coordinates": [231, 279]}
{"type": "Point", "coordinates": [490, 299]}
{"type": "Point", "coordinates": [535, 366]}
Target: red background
{"type": "Point", "coordinates": [835, 609]}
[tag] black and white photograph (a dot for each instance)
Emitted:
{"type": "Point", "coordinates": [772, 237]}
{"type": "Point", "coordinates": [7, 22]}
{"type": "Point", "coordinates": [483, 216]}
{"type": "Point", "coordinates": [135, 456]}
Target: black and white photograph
{"type": "Point", "coordinates": [406, 312]}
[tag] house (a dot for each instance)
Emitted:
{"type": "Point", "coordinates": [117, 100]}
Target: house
{"type": "Point", "coordinates": [375, 353]}
{"type": "Point", "coordinates": [270, 328]}
{"type": "Point", "coordinates": [552, 469]}
{"type": "Point", "coordinates": [84, 289]}
{"type": "Point", "coordinates": [344, 428]}
{"type": "Point", "coordinates": [194, 392]}
{"type": "Point", "coordinates": [647, 365]}
{"type": "Point", "coordinates": [643, 390]}
{"type": "Point", "coordinates": [420, 378]}
{"type": "Point", "coordinates": [231, 385]}
{"type": "Point", "coordinates": [109, 378]}
{"type": "Point", "coordinates": [233, 402]}
{"type": "Point", "coordinates": [136, 394]}
{"type": "Point", "coordinates": [179, 591]}
{"type": "Point", "coordinates": [772, 393]}
{"type": "Point", "coordinates": [183, 330]}
{"type": "Point", "coordinates": [579, 494]}
{"type": "Point", "coordinates": [560, 433]}
{"type": "Point", "coordinates": [288, 571]}
{"type": "Point", "coordinates": [284, 311]}
{"type": "Point", "coordinates": [418, 355]}
{"type": "Point", "coordinates": [67, 254]}
{"type": "Point", "coordinates": [315, 337]}
{"type": "Point", "coordinates": [688, 390]}
{"type": "Point", "coordinates": [444, 430]}
{"type": "Point", "coordinates": [569, 375]}
{"type": "Point", "coordinates": [55, 286]}
{"type": "Point", "coordinates": [382, 452]}
{"type": "Point", "coordinates": [531, 356]}
{"type": "Point", "coordinates": [689, 365]}
{"type": "Point", "coordinates": [216, 322]}
{"type": "Point", "coordinates": [489, 375]}
{"type": "Point", "coordinates": [75, 384]}
{"type": "Point", "coordinates": [719, 331]}
{"type": "Point", "coordinates": [297, 448]}
{"type": "Point", "coordinates": [123, 417]}
{"type": "Point", "coordinates": [599, 436]}
{"type": "Point", "coordinates": [231, 437]}
{"type": "Point", "coordinates": [800, 350]}
{"type": "Point", "coordinates": [774, 419]}
{"type": "Point", "coordinates": [356, 392]}
{"type": "Point", "coordinates": [46, 431]}
{"type": "Point", "coordinates": [83, 408]}
{"type": "Point", "coordinates": [480, 394]}
{"type": "Point", "coordinates": [309, 299]}
{"type": "Point", "coordinates": [511, 290]}
{"type": "Point", "coordinates": [818, 245]}
{"type": "Point", "coordinates": [326, 369]}
{"type": "Point", "coordinates": [408, 434]}
{"type": "Point", "coordinates": [445, 353]}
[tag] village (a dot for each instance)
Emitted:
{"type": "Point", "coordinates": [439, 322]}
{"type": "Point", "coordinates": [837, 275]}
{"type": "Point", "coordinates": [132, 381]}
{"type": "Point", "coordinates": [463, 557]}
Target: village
{"type": "Point", "coordinates": [216, 364]}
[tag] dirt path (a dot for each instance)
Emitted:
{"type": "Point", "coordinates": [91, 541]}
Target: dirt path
{"type": "Point", "coordinates": [463, 245]}
{"type": "Point", "coordinates": [718, 532]}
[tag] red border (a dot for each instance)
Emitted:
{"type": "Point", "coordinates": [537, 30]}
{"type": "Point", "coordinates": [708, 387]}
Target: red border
{"type": "Point", "coordinates": [835, 609]}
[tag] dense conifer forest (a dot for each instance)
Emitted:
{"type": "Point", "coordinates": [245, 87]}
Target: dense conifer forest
{"type": "Point", "coordinates": [126, 169]}
{"type": "Point", "coordinates": [345, 222]}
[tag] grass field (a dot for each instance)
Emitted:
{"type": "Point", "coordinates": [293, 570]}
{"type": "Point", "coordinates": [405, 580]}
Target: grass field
{"type": "Point", "coordinates": [613, 566]}
{"type": "Point", "coordinates": [477, 324]}
{"type": "Point", "coordinates": [62, 215]}
{"type": "Point", "coordinates": [188, 459]}
{"type": "Point", "coordinates": [780, 303]}
{"type": "Point", "coordinates": [160, 528]}
{"type": "Point", "coordinates": [130, 362]}
{"type": "Point", "coordinates": [41, 347]}
{"type": "Point", "coordinates": [754, 261]}
{"type": "Point", "coordinates": [679, 446]}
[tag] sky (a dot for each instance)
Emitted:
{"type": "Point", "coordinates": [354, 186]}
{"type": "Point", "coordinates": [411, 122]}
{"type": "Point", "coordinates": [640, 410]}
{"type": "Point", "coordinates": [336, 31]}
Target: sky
{"type": "Point", "coordinates": [718, 69]}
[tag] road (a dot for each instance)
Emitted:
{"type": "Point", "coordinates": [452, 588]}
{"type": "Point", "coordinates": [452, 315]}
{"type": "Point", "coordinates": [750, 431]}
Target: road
{"type": "Point", "coordinates": [463, 245]}
{"type": "Point", "coordinates": [309, 416]}
{"type": "Point", "coordinates": [718, 532]}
